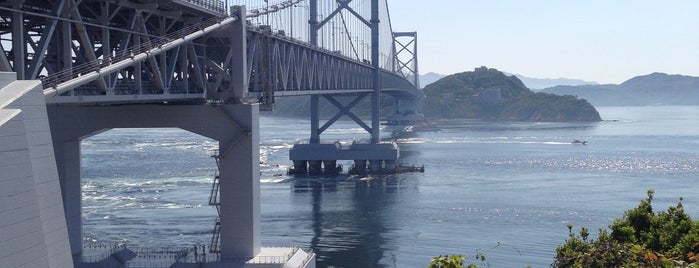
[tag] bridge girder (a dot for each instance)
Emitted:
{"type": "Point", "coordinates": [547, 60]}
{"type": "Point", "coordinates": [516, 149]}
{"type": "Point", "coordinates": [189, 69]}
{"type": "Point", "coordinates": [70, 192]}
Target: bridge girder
{"type": "Point", "coordinates": [63, 39]}
{"type": "Point", "coordinates": [68, 39]}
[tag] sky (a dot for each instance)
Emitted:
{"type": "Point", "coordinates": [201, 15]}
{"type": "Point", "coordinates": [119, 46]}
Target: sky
{"type": "Point", "coordinates": [602, 41]}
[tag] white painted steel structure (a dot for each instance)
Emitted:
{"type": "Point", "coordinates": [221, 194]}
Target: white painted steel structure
{"type": "Point", "coordinates": [192, 64]}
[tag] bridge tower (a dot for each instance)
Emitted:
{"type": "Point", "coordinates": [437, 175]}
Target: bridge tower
{"type": "Point", "coordinates": [408, 111]}
{"type": "Point", "coordinates": [374, 156]}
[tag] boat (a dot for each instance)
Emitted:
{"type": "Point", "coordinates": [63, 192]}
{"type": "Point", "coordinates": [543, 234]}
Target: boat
{"type": "Point", "coordinates": [579, 142]}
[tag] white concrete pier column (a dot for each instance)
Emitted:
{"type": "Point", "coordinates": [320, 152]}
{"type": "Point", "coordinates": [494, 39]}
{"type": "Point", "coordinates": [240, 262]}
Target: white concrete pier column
{"type": "Point", "coordinates": [32, 226]}
{"type": "Point", "coordinates": [240, 185]}
{"type": "Point", "coordinates": [68, 164]}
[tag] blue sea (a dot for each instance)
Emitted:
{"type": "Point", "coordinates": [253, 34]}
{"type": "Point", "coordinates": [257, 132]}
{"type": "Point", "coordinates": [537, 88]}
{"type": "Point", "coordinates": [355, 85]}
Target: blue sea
{"type": "Point", "coordinates": [505, 190]}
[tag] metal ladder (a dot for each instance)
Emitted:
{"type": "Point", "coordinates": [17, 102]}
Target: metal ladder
{"type": "Point", "coordinates": [216, 237]}
{"type": "Point", "coordinates": [214, 200]}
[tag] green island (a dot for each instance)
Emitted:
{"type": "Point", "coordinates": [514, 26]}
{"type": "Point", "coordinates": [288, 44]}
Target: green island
{"type": "Point", "coordinates": [489, 94]}
{"type": "Point", "coordinates": [641, 238]}
{"type": "Point", "coordinates": [485, 93]}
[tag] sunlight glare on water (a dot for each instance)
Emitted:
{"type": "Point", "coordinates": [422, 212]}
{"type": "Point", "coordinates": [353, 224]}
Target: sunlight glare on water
{"type": "Point", "coordinates": [507, 190]}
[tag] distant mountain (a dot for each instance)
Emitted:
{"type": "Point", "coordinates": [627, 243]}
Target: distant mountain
{"type": "Point", "coordinates": [537, 84]}
{"type": "Point", "coordinates": [429, 78]}
{"type": "Point", "coordinates": [300, 105]}
{"type": "Point", "coordinates": [652, 89]}
{"type": "Point", "coordinates": [489, 94]}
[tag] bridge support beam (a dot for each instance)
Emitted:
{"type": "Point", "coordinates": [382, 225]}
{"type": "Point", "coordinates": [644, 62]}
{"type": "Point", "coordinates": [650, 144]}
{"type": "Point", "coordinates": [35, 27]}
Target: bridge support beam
{"type": "Point", "coordinates": [234, 126]}
{"type": "Point", "coordinates": [240, 184]}
{"type": "Point", "coordinates": [315, 119]}
{"type": "Point", "coordinates": [376, 73]}
{"type": "Point", "coordinates": [315, 113]}
{"type": "Point", "coordinates": [68, 163]}
{"type": "Point", "coordinates": [239, 73]}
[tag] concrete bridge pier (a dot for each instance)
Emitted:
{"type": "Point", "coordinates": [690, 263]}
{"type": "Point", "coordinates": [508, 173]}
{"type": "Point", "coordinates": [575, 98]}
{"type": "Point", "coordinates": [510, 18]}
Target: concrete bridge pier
{"type": "Point", "coordinates": [240, 184]}
{"type": "Point", "coordinates": [314, 167]}
{"type": "Point", "coordinates": [300, 167]}
{"type": "Point", "coordinates": [68, 163]}
{"type": "Point", "coordinates": [376, 166]}
{"type": "Point", "coordinates": [390, 165]}
{"type": "Point", "coordinates": [33, 229]}
{"type": "Point", "coordinates": [234, 126]}
{"type": "Point", "coordinates": [408, 112]}
{"type": "Point", "coordinates": [360, 166]}
{"type": "Point", "coordinates": [330, 167]}
{"type": "Point", "coordinates": [367, 157]}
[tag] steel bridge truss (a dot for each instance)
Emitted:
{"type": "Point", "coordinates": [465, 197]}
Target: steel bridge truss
{"type": "Point", "coordinates": [283, 67]}
{"type": "Point", "coordinates": [61, 40]}
{"type": "Point", "coordinates": [278, 65]}
{"type": "Point", "coordinates": [405, 55]}
{"type": "Point", "coordinates": [126, 51]}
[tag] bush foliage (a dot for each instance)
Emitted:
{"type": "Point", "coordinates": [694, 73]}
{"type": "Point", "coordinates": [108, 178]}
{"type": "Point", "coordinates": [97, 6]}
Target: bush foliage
{"type": "Point", "coordinates": [641, 238]}
{"type": "Point", "coordinates": [456, 261]}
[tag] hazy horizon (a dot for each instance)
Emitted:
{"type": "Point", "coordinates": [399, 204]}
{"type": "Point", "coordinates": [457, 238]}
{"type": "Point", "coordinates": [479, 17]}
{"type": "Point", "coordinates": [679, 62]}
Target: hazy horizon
{"type": "Point", "coordinates": [601, 41]}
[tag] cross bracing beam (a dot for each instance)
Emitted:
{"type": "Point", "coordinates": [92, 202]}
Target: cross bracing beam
{"type": "Point", "coordinates": [277, 66]}
{"type": "Point", "coordinates": [61, 40]}
{"type": "Point", "coordinates": [294, 66]}
{"type": "Point", "coordinates": [344, 110]}
{"type": "Point", "coordinates": [405, 56]}
{"type": "Point", "coordinates": [150, 50]}
{"type": "Point", "coordinates": [124, 51]}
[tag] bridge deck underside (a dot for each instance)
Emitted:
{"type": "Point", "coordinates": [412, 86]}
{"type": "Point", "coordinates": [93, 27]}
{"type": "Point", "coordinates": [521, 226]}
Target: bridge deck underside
{"type": "Point", "coordinates": [51, 41]}
{"type": "Point", "coordinates": [60, 40]}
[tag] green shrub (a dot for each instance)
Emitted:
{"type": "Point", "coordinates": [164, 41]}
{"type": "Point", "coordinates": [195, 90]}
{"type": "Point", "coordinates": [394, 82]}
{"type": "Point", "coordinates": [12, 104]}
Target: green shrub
{"type": "Point", "coordinates": [455, 261]}
{"type": "Point", "coordinates": [641, 238]}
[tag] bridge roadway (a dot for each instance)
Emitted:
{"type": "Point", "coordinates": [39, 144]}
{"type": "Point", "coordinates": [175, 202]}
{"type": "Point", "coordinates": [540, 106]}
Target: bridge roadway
{"type": "Point", "coordinates": [136, 64]}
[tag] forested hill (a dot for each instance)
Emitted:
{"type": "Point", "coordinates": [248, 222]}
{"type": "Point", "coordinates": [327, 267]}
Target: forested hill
{"type": "Point", "coordinates": [652, 89]}
{"type": "Point", "coordinates": [488, 94]}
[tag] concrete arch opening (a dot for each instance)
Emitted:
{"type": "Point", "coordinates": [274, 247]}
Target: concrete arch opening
{"type": "Point", "coordinates": [148, 187]}
{"type": "Point", "coordinates": [235, 127]}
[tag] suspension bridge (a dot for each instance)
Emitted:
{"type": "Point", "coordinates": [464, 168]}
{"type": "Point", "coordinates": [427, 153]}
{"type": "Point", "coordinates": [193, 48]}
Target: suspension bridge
{"type": "Point", "coordinates": [70, 69]}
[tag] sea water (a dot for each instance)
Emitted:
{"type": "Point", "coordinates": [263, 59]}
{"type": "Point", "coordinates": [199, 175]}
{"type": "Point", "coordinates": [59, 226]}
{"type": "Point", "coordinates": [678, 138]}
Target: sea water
{"type": "Point", "coordinates": [505, 190]}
